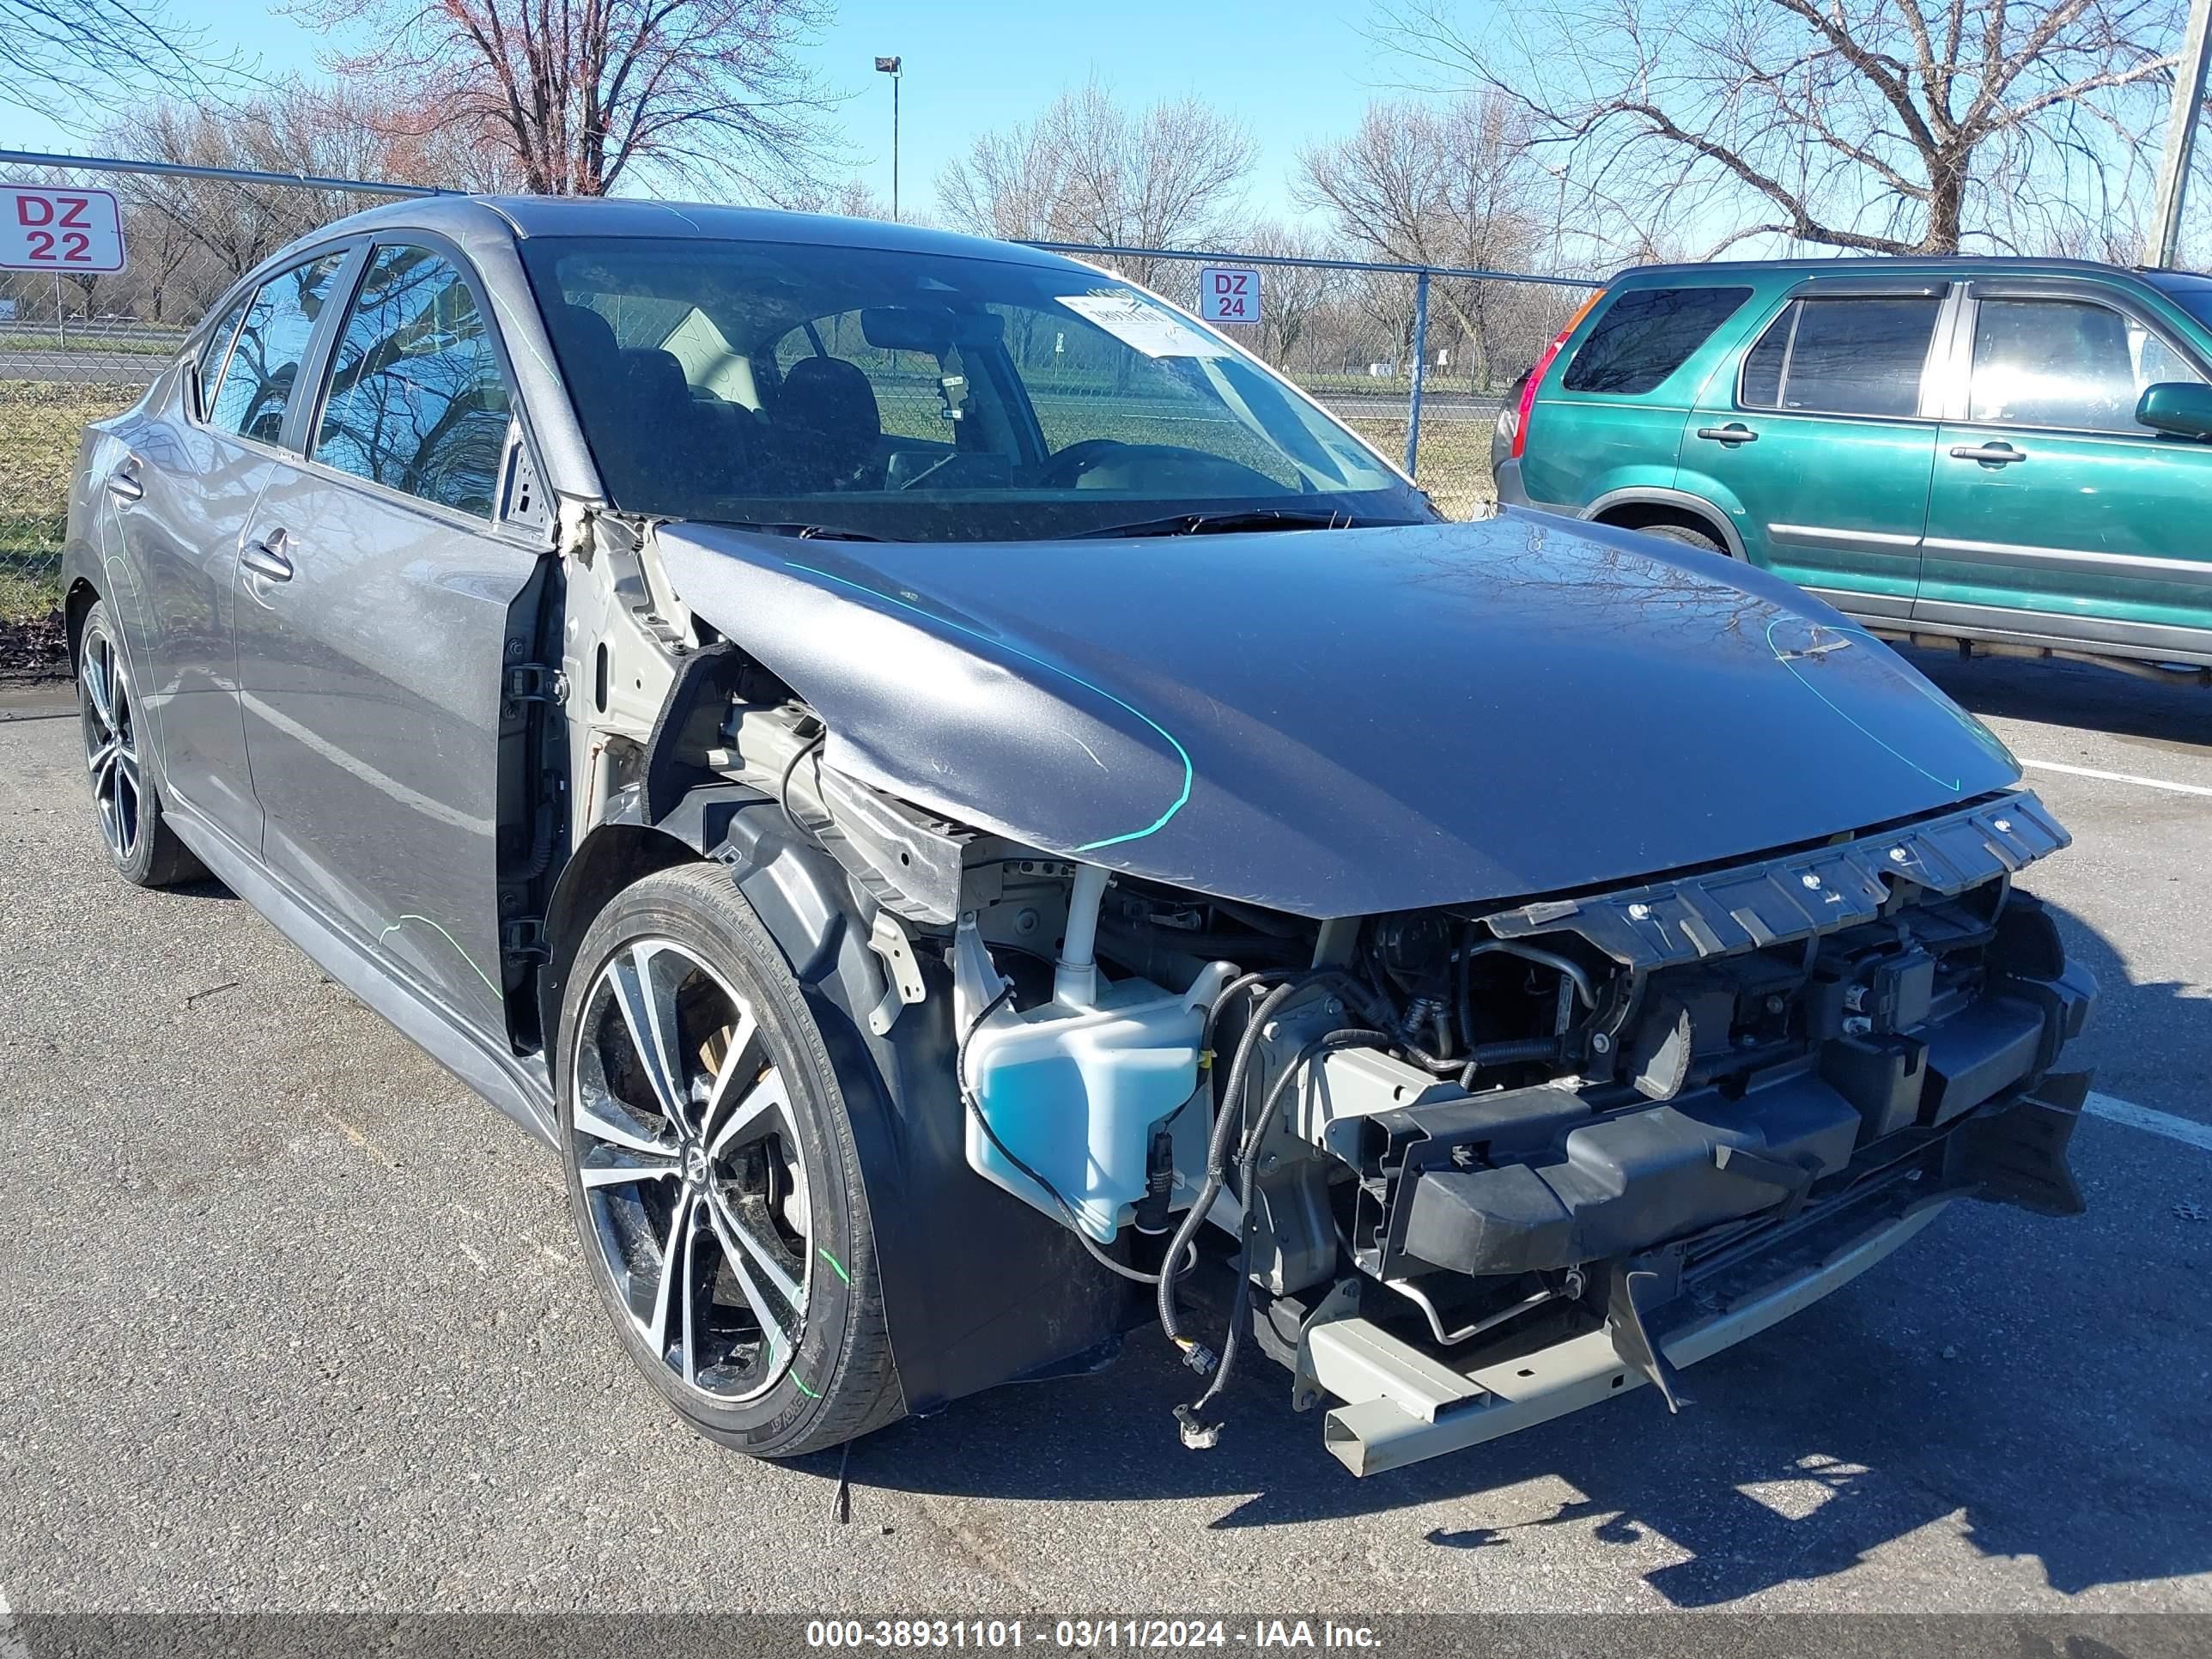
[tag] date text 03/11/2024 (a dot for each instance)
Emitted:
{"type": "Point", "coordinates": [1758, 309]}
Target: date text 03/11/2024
{"type": "Point", "coordinates": [1087, 1633]}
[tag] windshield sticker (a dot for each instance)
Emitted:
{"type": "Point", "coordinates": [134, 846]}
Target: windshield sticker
{"type": "Point", "coordinates": [1142, 327]}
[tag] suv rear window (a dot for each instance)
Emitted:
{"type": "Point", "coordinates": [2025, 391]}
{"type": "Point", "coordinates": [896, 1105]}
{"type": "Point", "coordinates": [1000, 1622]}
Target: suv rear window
{"type": "Point", "coordinates": [1646, 334]}
{"type": "Point", "coordinates": [1843, 357]}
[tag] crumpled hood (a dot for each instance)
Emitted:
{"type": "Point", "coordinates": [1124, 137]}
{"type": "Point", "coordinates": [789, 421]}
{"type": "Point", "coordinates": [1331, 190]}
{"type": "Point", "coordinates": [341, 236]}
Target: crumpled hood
{"type": "Point", "coordinates": [1342, 722]}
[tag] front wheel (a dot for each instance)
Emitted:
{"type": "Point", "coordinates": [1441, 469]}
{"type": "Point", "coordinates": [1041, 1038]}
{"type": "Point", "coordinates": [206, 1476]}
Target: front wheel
{"type": "Point", "coordinates": [713, 1175]}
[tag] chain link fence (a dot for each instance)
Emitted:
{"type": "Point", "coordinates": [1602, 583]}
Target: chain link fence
{"type": "Point", "coordinates": [80, 346]}
{"type": "Point", "coordinates": [76, 348]}
{"type": "Point", "coordinates": [1353, 334]}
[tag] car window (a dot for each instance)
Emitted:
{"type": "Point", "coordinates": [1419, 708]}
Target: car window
{"type": "Point", "coordinates": [1646, 334]}
{"type": "Point", "coordinates": [1861, 355]}
{"type": "Point", "coordinates": [925, 396]}
{"type": "Point", "coordinates": [416, 399]}
{"type": "Point", "coordinates": [257, 384]}
{"type": "Point", "coordinates": [2065, 363]}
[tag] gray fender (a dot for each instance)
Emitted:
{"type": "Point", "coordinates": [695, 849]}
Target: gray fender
{"type": "Point", "coordinates": [978, 1288]}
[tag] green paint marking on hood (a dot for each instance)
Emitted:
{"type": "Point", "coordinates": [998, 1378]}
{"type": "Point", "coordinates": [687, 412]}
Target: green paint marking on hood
{"type": "Point", "coordinates": [1788, 659]}
{"type": "Point", "coordinates": [1182, 754]}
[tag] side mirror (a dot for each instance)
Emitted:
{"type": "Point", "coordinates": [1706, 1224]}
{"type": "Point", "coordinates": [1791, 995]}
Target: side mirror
{"type": "Point", "coordinates": [2183, 408]}
{"type": "Point", "coordinates": [195, 405]}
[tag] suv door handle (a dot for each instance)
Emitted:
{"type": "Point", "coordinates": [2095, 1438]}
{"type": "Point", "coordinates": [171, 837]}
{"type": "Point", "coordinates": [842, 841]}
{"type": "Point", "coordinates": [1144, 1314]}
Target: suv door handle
{"type": "Point", "coordinates": [1988, 454]}
{"type": "Point", "coordinates": [1735, 433]}
{"type": "Point", "coordinates": [266, 558]}
{"type": "Point", "coordinates": [122, 483]}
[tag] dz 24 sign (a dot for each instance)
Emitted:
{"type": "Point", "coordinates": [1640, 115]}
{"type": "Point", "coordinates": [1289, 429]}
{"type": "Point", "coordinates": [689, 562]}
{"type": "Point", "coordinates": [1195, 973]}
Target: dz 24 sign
{"type": "Point", "coordinates": [47, 227]}
{"type": "Point", "coordinates": [1228, 293]}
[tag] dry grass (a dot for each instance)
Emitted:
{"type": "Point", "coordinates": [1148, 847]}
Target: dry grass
{"type": "Point", "coordinates": [40, 424]}
{"type": "Point", "coordinates": [1454, 461]}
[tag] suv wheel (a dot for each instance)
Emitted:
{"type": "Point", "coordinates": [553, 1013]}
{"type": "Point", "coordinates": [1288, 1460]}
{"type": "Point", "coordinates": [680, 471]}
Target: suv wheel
{"type": "Point", "coordinates": [713, 1175]}
{"type": "Point", "coordinates": [1684, 534]}
{"type": "Point", "coordinates": [140, 843]}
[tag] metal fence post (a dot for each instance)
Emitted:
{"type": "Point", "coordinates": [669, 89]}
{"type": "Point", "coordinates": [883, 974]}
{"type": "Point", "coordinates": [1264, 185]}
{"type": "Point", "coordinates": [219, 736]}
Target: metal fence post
{"type": "Point", "coordinates": [1420, 370]}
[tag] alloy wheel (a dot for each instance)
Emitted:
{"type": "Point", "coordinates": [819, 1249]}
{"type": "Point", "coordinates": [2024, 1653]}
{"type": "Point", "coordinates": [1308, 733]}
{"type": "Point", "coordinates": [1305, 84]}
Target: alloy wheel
{"type": "Point", "coordinates": [693, 1173]}
{"type": "Point", "coordinates": [110, 746]}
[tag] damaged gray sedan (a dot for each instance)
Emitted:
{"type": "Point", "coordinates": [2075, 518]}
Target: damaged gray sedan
{"type": "Point", "coordinates": [977, 820]}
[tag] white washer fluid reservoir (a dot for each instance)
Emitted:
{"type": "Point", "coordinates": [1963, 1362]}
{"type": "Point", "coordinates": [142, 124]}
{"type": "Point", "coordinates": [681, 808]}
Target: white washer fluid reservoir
{"type": "Point", "coordinates": [1075, 1089]}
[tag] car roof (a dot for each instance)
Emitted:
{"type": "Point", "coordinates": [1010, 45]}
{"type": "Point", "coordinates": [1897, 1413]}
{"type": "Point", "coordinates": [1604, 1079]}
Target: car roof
{"type": "Point", "coordinates": [1879, 264]}
{"type": "Point", "coordinates": [524, 217]}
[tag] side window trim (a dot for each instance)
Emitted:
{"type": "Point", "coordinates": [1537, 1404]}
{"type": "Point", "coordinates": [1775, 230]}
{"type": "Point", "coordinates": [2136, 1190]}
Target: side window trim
{"type": "Point", "coordinates": [203, 356]}
{"type": "Point", "coordinates": [315, 364]}
{"type": "Point", "coordinates": [1958, 404]}
{"type": "Point", "coordinates": [519, 425]}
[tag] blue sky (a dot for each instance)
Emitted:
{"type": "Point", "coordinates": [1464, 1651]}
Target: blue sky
{"type": "Point", "coordinates": [1291, 73]}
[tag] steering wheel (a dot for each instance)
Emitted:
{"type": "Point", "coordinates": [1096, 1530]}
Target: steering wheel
{"type": "Point", "coordinates": [1071, 463]}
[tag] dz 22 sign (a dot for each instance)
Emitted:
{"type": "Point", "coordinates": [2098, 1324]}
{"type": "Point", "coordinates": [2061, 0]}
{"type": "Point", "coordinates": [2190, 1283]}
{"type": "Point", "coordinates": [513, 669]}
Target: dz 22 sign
{"type": "Point", "coordinates": [47, 227]}
{"type": "Point", "coordinates": [1228, 293]}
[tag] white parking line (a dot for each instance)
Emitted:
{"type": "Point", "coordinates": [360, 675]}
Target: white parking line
{"type": "Point", "coordinates": [2119, 777]}
{"type": "Point", "coordinates": [11, 1645]}
{"type": "Point", "coordinates": [2186, 1130]}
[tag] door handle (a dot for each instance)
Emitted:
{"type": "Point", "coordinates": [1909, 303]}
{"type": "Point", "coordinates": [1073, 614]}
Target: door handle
{"type": "Point", "coordinates": [122, 483]}
{"type": "Point", "coordinates": [266, 557]}
{"type": "Point", "coordinates": [1988, 454]}
{"type": "Point", "coordinates": [1735, 433]}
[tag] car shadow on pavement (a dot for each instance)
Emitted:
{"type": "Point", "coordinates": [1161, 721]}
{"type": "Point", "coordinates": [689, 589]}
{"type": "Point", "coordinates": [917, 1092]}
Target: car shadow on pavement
{"type": "Point", "coordinates": [207, 887]}
{"type": "Point", "coordinates": [2002, 1387]}
{"type": "Point", "coordinates": [2062, 693]}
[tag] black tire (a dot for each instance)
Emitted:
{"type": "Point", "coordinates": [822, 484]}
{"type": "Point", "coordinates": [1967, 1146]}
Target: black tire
{"type": "Point", "coordinates": [684, 944]}
{"type": "Point", "coordinates": [127, 801]}
{"type": "Point", "coordinates": [1686, 535]}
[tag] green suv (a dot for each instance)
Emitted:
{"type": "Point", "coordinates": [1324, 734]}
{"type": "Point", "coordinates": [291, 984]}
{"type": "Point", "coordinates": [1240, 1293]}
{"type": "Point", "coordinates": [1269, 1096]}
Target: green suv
{"type": "Point", "coordinates": [1982, 449]}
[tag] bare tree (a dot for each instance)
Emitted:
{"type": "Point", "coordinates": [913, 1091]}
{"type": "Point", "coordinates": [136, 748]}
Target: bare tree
{"type": "Point", "coordinates": [1088, 170]}
{"type": "Point", "coordinates": [581, 91]}
{"type": "Point", "coordinates": [1881, 127]}
{"type": "Point", "coordinates": [190, 236]}
{"type": "Point", "coordinates": [852, 199]}
{"type": "Point", "coordinates": [99, 50]}
{"type": "Point", "coordinates": [1448, 184]}
{"type": "Point", "coordinates": [1009, 185]}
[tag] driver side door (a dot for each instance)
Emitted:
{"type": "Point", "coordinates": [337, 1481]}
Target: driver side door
{"type": "Point", "coordinates": [386, 598]}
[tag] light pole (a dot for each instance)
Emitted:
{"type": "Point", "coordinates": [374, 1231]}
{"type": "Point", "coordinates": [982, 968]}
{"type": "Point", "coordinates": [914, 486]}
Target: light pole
{"type": "Point", "coordinates": [890, 66]}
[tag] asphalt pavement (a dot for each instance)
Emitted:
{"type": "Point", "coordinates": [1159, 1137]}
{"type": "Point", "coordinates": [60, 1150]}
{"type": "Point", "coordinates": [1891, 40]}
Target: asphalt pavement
{"type": "Point", "coordinates": [293, 1322]}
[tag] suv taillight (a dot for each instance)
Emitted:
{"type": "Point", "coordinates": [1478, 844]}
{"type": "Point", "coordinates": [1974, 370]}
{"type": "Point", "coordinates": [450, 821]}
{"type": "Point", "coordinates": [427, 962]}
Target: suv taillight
{"type": "Point", "coordinates": [1543, 366]}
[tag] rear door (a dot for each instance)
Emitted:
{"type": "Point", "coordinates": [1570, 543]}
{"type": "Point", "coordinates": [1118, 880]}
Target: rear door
{"type": "Point", "coordinates": [378, 624]}
{"type": "Point", "coordinates": [1819, 443]}
{"type": "Point", "coordinates": [2053, 512]}
{"type": "Point", "coordinates": [197, 475]}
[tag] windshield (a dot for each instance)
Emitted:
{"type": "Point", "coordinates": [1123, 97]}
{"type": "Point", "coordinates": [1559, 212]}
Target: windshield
{"type": "Point", "coordinates": [923, 397]}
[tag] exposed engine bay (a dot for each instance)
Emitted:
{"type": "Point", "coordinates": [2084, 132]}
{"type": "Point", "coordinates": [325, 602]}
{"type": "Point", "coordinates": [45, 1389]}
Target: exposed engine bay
{"type": "Point", "coordinates": [1468, 1167]}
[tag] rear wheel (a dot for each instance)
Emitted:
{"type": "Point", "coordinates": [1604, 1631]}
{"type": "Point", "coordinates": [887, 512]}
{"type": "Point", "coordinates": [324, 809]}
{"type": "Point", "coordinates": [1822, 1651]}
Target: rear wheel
{"type": "Point", "coordinates": [713, 1175]}
{"type": "Point", "coordinates": [140, 843]}
{"type": "Point", "coordinates": [1686, 534]}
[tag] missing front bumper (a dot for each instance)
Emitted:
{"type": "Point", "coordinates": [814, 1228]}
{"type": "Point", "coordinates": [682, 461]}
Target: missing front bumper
{"type": "Point", "coordinates": [1402, 1405]}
